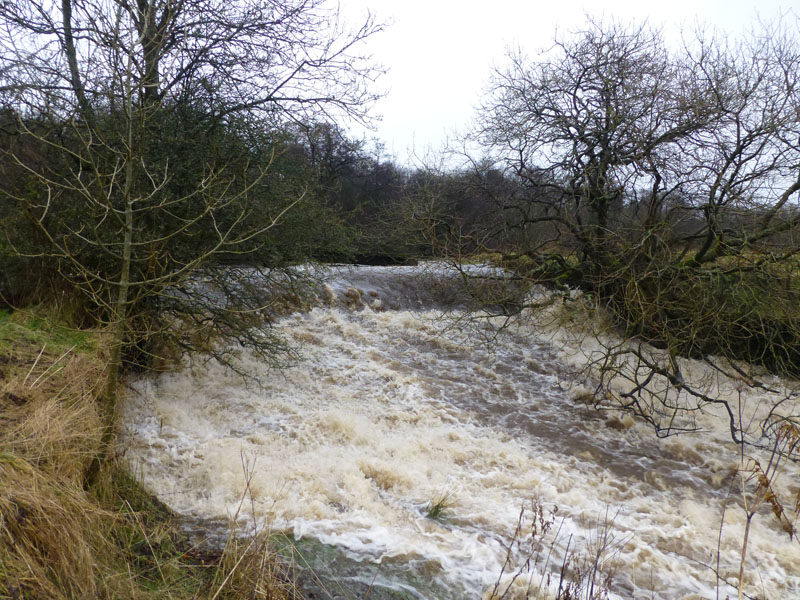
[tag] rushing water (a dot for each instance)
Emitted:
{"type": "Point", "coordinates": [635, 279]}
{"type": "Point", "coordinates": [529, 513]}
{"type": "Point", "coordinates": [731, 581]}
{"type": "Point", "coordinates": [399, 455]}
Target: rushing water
{"type": "Point", "coordinates": [391, 410]}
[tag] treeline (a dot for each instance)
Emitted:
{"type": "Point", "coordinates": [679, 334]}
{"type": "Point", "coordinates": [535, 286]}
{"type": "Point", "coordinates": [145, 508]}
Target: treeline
{"type": "Point", "coordinates": [211, 176]}
{"type": "Point", "coordinates": [349, 202]}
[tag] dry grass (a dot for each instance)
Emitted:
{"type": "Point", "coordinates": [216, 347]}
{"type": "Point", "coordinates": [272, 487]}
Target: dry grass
{"type": "Point", "coordinates": [534, 570]}
{"type": "Point", "coordinates": [55, 426]}
{"type": "Point", "coordinates": [61, 541]}
{"type": "Point", "coordinates": [250, 568]}
{"type": "Point", "coordinates": [51, 536]}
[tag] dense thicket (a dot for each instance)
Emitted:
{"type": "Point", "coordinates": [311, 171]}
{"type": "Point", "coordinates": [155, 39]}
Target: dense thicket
{"type": "Point", "coordinates": [144, 141]}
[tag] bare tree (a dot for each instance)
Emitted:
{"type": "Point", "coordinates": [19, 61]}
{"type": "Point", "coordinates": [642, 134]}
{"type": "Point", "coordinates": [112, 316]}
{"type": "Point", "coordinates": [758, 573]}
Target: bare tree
{"type": "Point", "coordinates": [668, 182]}
{"type": "Point", "coordinates": [107, 94]}
{"type": "Point", "coordinates": [592, 123]}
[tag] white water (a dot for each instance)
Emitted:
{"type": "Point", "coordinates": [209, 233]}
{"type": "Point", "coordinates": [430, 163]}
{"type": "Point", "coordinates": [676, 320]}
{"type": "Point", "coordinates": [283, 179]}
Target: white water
{"type": "Point", "coordinates": [384, 414]}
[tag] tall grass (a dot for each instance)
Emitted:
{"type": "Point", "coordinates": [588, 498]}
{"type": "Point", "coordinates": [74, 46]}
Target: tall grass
{"type": "Point", "coordinates": [59, 540]}
{"type": "Point", "coordinates": [539, 564]}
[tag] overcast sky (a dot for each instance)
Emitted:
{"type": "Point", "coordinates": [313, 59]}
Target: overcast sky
{"type": "Point", "coordinates": [440, 53]}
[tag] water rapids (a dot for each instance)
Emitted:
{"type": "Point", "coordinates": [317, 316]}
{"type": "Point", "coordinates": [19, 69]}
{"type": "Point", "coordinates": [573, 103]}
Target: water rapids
{"type": "Point", "coordinates": [394, 408]}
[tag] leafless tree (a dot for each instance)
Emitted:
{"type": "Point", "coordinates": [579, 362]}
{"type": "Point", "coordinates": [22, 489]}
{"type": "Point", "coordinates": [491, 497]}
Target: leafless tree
{"type": "Point", "coordinates": [93, 85]}
{"type": "Point", "coordinates": [668, 182]}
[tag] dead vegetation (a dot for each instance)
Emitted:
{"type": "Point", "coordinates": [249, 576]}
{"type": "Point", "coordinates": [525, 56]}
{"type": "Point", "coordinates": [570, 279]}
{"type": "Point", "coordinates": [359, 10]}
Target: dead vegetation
{"type": "Point", "coordinates": [538, 564]}
{"type": "Point", "coordinates": [59, 540]}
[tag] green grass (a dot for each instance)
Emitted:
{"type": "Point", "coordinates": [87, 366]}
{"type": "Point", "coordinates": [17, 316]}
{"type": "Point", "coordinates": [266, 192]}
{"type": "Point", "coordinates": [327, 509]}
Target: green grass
{"type": "Point", "coordinates": [37, 328]}
{"type": "Point", "coordinates": [440, 506]}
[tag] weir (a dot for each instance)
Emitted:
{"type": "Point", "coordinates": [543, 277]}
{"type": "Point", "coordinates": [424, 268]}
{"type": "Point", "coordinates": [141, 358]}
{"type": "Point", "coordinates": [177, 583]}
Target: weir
{"type": "Point", "coordinates": [394, 409]}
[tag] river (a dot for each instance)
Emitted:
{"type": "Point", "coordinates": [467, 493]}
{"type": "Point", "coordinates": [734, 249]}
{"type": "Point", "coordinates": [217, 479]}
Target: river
{"type": "Point", "coordinates": [395, 407]}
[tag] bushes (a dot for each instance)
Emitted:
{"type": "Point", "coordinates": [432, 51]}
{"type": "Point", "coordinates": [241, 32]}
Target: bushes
{"type": "Point", "coordinates": [747, 312]}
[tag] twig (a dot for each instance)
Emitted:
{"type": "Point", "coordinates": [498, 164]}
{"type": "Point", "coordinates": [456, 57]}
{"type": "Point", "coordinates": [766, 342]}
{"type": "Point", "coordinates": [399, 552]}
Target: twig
{"type": "Point", "coordinates": [33, 366]}
{"type": "Point", "coordinates": [33, 385]}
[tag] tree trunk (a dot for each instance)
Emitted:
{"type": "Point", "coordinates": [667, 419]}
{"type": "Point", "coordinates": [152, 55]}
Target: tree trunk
{"type": "Point", "coordinates": [72, 60]}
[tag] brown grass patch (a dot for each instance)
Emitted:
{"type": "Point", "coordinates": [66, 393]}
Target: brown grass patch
{"type": "Point", "coordinates": [51, 536]}
{"type": "Point", "coordinates": [60, 541]}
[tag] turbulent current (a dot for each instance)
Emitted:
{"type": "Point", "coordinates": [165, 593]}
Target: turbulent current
{"type": "Point", "coordinates": [400, 452]}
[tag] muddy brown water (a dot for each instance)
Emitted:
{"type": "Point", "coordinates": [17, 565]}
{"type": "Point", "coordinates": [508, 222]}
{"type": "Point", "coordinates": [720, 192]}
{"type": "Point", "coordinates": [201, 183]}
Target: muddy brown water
{"type": "Point", "coordinates": [388, 412]}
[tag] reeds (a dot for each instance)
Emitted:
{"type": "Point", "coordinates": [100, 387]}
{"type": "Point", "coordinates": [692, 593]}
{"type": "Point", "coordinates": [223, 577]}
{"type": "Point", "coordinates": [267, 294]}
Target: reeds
{"type": "Point", "coordinates": [539, 565]}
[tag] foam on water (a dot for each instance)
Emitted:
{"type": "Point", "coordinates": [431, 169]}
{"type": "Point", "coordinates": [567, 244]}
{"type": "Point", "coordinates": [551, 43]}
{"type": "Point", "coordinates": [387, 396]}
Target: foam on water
{"type": "Point", "coordinates": [385, 414]}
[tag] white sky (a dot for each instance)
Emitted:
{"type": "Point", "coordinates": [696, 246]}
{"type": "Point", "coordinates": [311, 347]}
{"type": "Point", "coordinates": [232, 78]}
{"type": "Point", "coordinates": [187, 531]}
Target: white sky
{"type": "Point", "coordinates": [440, 53]}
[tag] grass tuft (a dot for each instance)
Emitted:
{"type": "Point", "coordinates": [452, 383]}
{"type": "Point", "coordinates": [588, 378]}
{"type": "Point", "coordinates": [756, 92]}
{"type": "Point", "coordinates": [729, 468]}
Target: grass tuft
{"type": "Point", "coordinates": [440, 506]}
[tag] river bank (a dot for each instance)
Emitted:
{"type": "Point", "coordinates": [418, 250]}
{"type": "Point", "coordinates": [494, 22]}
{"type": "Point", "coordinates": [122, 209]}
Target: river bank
{"type": "Point", "coordinates": [60, 541]}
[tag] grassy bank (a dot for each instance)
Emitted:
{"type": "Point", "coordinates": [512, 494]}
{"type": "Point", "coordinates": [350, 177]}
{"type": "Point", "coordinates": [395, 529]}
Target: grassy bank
{"type": "Point", "coordinates": [59, 540]}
